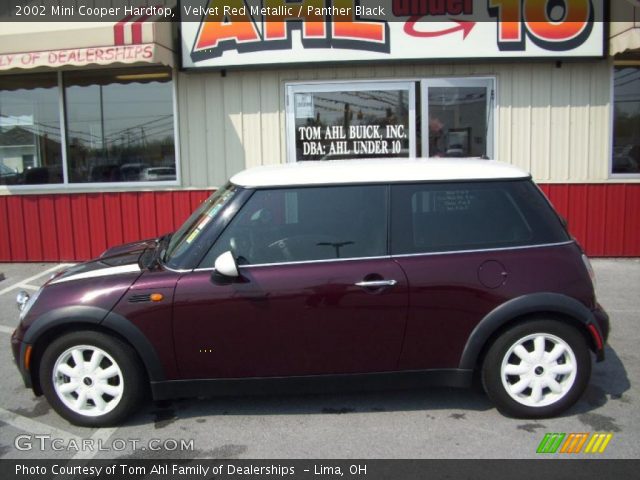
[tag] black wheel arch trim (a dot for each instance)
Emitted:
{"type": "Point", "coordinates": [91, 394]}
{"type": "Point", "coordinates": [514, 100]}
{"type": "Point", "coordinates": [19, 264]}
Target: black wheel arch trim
{"type": "Point", "coordinates": [96, 316]}
{"type": "Point", "coordinates": [61, 316]}
{"type": "Point", "coordinates": [518, 307]}
{"type": "Point", "coordinates": [140, 343]}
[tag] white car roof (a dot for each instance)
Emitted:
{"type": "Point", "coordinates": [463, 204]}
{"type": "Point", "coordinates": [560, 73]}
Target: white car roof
{"type": "Point", "coordinates": [334, 172]}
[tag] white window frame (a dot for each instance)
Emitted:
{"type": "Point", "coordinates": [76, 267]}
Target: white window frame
{"type": "Point", "coordinates": [488, 82]}
{"type": "Point", "coordinates": [612, 122]}
{"type": "Point", "coordinates": [102, 186]}
{"type": "Point", "coordinates": [340, 86]}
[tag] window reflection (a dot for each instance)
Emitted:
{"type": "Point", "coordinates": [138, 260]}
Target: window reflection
{"type": "Point", "coordinates": [291, 225]}
{"type": "Point", "coordinates": [441, 217]}
{"type": "Point", "coordinates": [457, 121]}
{"type": "Point", "coordinates": [120, 126]}
{"type": "Point", "coordinates": [352, 124]}
{"type": "Point", "coordinates": [626, 136]}
{"type": "Point", "coordinates": [30, 142]}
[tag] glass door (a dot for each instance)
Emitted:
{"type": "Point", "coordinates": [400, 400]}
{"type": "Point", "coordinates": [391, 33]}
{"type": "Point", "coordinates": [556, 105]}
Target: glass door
{"type": "Point", "coordinates": [457, 117]}
{"type": "Point", "coordinates": [346, 120]}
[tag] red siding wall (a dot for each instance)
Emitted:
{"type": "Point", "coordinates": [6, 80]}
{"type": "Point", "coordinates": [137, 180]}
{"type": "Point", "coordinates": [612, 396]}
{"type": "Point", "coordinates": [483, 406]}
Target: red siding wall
{"type": "Point", "coordinates": [605, 218]}
{"type": "Point", "coordinates": [79, 226]}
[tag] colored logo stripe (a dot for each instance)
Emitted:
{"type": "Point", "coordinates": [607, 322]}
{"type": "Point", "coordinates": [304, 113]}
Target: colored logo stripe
{"type": "Point", "coordinates": [598, 443]}
{"type": "Point", "coordinates": [574, 442]}
{"type": "Point", "coordinates": [550, 443]}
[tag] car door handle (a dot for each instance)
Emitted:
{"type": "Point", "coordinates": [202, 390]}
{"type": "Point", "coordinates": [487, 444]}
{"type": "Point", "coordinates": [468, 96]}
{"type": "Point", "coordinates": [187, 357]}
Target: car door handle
{"type": "Point", "coordinates": [376, 283]}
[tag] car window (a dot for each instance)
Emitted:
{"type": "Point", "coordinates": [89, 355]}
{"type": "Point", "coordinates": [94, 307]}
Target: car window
{"type": "Point", "coordinates": [463, 216]}
{"type": "Point", "coordinates": [302, 224]}
{"type": "Point", "coordinates": [193, 227]}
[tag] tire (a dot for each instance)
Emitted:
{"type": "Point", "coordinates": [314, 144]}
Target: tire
{"type": "Point", "coordinates": [537, 369]}
{"type": "Point", "coordinates": [107, 389]}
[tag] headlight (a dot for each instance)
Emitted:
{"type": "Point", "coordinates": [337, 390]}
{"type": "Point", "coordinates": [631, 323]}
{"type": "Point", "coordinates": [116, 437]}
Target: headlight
{"type": "Point", "coordinates": [22, 299]}
{"type": "Point", "coordinates": [25, 302]}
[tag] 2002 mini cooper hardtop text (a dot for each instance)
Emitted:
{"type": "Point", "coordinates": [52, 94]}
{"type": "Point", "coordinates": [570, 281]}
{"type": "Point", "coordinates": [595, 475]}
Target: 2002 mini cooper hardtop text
{"type": "Point", "coordinates": [341, 274]}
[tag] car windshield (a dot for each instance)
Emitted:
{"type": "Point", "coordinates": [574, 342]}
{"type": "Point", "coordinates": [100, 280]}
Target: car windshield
{"type": "Point", "coordinates": [195, 224]}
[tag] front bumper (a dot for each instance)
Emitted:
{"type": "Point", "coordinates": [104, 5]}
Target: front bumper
{"type": "Point", "coordinates": [18, 347]}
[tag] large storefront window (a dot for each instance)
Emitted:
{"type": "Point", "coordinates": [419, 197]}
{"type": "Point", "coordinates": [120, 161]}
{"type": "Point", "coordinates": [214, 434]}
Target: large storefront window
{"type": "Point", "coordinates": [118, 127]}
{"type": "Point", "coordinates": [451, 118]}
{"type": "Point", "coordinates": [626, 121]}
{"type": "Point", "coordinates": [361, 120]}
{"type": "Point", "coordinates": [30, 142]}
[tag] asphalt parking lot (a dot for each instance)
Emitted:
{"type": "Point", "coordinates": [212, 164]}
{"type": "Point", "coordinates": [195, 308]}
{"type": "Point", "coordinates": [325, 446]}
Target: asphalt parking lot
{"type": "Point", "coordinates": [435, 423]}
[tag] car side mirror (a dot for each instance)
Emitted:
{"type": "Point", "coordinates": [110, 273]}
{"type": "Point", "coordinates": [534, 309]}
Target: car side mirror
{"type": "Point", "coordinates": [226, 265]}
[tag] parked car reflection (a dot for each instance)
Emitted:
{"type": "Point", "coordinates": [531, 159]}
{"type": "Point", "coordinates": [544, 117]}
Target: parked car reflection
{"type": "Point", "coordinates": [626, 159]}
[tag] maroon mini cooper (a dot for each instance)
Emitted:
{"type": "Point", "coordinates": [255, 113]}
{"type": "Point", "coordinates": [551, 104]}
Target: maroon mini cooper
{"type": "Point", "coordinates": [318, 275]}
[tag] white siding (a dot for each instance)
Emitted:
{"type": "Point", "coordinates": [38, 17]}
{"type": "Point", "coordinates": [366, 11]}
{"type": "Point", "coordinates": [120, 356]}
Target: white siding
{"type": "Point", "coordinates": [553, 120]}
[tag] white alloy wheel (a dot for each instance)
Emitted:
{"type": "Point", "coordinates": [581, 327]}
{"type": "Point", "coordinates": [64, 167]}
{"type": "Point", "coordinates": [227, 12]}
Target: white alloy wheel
{"type": "Point", "coordinates": [88, 380]}
{"type": "Point", "coordinates": [538, 370]}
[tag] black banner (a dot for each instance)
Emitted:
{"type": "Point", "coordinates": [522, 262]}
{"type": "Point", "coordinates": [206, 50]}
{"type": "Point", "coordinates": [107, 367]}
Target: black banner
{"type": "Point", "coordinates": [125, 469]}
{"type": "Point", "coordinates": [340, 10]}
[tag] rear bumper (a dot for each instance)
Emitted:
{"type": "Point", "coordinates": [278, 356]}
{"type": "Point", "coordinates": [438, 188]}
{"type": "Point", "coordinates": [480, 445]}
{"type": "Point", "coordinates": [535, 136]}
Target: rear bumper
{"type": "Point", "coordinates": [602, 328]}
{"type": "Point", "coordinates": [602, 318]}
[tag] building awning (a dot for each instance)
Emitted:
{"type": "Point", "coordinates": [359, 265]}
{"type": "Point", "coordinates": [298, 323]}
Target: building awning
{"type": "Point", "coordinates": [624, 36]}
{"type": "Point", "coordinates": [60, 44]}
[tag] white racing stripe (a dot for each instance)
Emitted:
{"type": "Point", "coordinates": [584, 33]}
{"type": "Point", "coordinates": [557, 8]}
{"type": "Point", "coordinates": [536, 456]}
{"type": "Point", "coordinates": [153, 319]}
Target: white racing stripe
{"type": "Point", "coordinates": [103, 272]}
{"type": "Point", "coordinates": [26, 281]}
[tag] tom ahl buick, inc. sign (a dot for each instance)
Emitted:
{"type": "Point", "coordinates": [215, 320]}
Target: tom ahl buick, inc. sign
{"type": "Point", "coordinates": [224, 33]}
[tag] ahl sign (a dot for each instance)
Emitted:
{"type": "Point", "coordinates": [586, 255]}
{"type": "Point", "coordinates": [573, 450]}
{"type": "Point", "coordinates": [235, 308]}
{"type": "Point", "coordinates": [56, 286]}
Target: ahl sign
{"type": "Point", "coordinates": [223, 33]}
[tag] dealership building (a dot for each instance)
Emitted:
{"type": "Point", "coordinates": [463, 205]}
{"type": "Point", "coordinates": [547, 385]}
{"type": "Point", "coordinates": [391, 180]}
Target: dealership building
{"type": "Point", "coordinates": [114, 131]}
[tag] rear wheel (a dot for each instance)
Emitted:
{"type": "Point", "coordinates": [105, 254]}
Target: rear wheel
{"type": "Point", "coordinates": [91, 379]}
{"type": "Point", "coordinates": [536, 369]}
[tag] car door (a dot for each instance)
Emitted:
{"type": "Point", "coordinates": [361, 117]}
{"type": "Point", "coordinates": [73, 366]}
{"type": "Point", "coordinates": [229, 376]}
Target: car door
{"type": "Point", "coordinates": [459, 244]}
{"type": "Point", "coordinates": [316, 293]}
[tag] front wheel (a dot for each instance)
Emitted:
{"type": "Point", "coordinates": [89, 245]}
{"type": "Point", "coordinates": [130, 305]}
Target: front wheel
{"type": "Point", "coordinates": [91, 379]}
{"type": "Point", "coordinates": [537, 369]}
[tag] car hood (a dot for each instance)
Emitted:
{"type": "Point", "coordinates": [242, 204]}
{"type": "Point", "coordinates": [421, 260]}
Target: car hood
{"type": "Point", "coordinates": [130, 248]}
{"type": "Point", "coordinates": [120, 265]}
{"type": "Point", "coordinates": [98, 283]}
{"type": "Point", "coordinates": [121, 262]}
